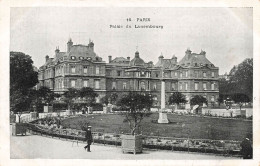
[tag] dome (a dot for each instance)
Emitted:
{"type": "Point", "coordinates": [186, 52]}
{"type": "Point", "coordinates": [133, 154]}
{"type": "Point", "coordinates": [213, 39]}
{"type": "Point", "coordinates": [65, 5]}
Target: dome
{"type": "Point", "coordinates": [137, 61]}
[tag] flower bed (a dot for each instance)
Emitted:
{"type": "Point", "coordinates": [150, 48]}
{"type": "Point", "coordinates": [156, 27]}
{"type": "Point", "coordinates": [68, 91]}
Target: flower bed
{"type": "Point", "coordinates": [163, 143]}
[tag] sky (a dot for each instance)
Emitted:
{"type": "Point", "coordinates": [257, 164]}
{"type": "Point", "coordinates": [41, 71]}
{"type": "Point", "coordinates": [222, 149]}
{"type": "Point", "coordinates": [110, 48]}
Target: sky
{"type": "Point", "coordinates": [226, 34]}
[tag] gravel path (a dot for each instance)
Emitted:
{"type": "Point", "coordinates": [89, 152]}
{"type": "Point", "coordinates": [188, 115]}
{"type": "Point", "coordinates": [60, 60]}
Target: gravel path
{"type": "Point", "coordinates": [34, 146]}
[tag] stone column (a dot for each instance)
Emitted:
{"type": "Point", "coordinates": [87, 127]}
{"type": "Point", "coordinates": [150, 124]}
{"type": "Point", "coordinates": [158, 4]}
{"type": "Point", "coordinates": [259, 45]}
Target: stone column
{"type": "Point", "coordinates": [163, 115]}
{"type": "Point", "coordinates": [162, 94]}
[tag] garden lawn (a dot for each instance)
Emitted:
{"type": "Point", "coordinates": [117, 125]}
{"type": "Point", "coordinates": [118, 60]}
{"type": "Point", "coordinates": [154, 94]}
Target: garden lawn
{"type": "Point", "coordinates": [180, 127]}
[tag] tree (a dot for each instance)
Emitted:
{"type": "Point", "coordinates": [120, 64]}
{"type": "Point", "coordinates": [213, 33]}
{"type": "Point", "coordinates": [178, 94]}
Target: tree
{"type": "Point", "coordinates": [46, 95]}
{"type": "Point", "coordinates": [242, 78]}
{"type": "Point", "coordinates": [198, 100]}
{"type": "Point", "coordinates": [240, 98]}
{"type": "Point", "coordinates": [69, 95]}
{"type": "Point", "coordinates": [110, 98]}
{"type": "Point", "coordinates": [22, 79]}
{"type": "Point", "coordinates": [220, 99]}
{"type": "Point", "coordinates": [42, 96]}
{"type": "Point", "coordinates": [137, 107]}
{"type": "Point", "coordinates": [89, 96]}
{"type": "Point", "coordinates": [177, 98]}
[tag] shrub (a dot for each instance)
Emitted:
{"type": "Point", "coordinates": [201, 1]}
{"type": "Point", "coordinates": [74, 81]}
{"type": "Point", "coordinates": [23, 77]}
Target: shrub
{"type": "Point", "coordinates": [97, 107]}
{"type": "Point", "coordinates": [59, 106]}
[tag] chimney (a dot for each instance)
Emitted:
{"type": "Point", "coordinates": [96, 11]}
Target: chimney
{"type": "Point", "coordinates": [69, 45]}
{"type": "Point", "coordinates": [109, 59]}
{"type": "Point", "coordinates": [174, 59]}
{"type": "Point", "coordinates": [160, 58]}
{"type": "Point", "coordinates": [57, 50]}
{"type": "Point", "coordinates": [46, 58]}
{"type": "Point", "coordinates": [91, 45]}
{"type": "Point", "coordinates": [188, 53]}
{"type": "Point", "coordinates": [203, 53]}
{"type": "Point", "coordinates": [128, 58]}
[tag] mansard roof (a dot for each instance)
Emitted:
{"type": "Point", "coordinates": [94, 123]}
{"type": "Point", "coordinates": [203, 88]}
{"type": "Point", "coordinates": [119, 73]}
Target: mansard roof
{"type": "Point", "coordinates": [120, 60]}
{"type": "Point", "coordinates": [194, 59]}
{"type": "Point", "coordinates": [165, 63]}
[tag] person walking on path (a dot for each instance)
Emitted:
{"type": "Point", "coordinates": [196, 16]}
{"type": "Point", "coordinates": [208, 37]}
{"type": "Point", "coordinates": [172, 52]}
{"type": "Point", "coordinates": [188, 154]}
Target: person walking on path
{"type": "Point", "coordinates": [246, 149]}
{"type": "Point", "coordinates": [88, 138]}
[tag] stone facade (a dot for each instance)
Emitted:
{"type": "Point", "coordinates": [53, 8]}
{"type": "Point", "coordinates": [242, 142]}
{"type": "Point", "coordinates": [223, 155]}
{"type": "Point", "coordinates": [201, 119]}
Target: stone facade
{"type": "Point", "coordinates": [80, 67]}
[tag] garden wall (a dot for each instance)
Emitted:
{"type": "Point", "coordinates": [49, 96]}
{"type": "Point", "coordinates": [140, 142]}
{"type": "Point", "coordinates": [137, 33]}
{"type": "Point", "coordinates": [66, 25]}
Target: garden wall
{"type": "Point", "coordinates": [227, 113]}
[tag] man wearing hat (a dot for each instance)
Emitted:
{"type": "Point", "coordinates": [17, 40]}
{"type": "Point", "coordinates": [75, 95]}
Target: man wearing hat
{"type": "Point", "coordinates": [88, 138]}
{"type": "Point", "coordinates": [246, 148]}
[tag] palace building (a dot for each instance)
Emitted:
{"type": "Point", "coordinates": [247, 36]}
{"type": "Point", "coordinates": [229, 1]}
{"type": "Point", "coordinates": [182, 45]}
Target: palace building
{"type": "Point", "coordinates": [81, 67]}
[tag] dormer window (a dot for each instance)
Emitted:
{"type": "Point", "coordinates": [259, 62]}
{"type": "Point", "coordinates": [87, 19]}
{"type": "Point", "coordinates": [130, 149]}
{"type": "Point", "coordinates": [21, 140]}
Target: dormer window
{"type": "Point", "coordinates": [89, 58]}
{"type": "Point", "coordinates": [73, 57]}
{"type": "Point", "coordinates": [81, 57]}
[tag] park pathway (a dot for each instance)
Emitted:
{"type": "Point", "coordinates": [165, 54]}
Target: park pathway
{"type": "Point", "coordinates": [35, 146]}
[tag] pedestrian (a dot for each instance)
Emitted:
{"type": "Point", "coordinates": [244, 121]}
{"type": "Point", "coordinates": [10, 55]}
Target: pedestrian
{"type": "Point", "coordinates": [246, 149]}
{"type": "Point", "coordinates": [88, 138]}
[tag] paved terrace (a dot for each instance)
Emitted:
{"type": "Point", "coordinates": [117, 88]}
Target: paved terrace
{"type": "Point", "coordinates": [42, 147]}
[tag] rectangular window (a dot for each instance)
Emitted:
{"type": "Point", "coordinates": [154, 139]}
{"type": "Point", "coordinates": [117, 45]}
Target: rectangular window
{"type": "Point", "coordinates": [73, 69]}
{"type": "Point", "coordinates": [85, 69]}
{"type": "Point", "coordinates": [204, 86]}
{"type": "Point", "coordinates": [213, 74]}
{"type": "Point", "coordinates": [204, 74]}
{"type": "Point", "coordinates": [97, 84]}
{"type": "Point", "coordinates": [186, 73]}
{"type": "Point", "coordinates": [196, 86]}
{"type": "Point", "coordinates": [212, 86]}
{"type": "Point", "coordinates": [154, 86]}
{"type": "Point", "coordinates": [212, 98]}
{"type": "Point", "coordinates": [148, 74]}
{"type": "Point", "coordinates": [173, 86]}
{"type": "Point", "coordinates": [114, 85]}
{"type": "Point", "coordinates": [97, 69]}
{"type": "Point", "coordinates": [148, 85]}
{"type": "Point", "coordinates": [142, 85]}
{"type": "Point", "coordinates": [195, 74]}
{"type": "Point", "coordinates": [181, 75]}
{"type": "Point", "coordinates": [176, 74]}
{"type": "Point", "coordinates": [73, 83]}
{"type": "Point", "coordinates": [180, 86]}
{"type": "Point", "coordinates": [124, 85]}
{"type": "Point", "coordinates": [62, 84]}
{"type": "Point", "coordinates": [59, 85]}
{"type": "Point", "coordinates": [186, 86]}
{"type": "Point", "coordinates": [118, 73]}
{"type": "Point", "coordinates": [165, 75]}
{"type": "Point", "coordinates": [85, 83]}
